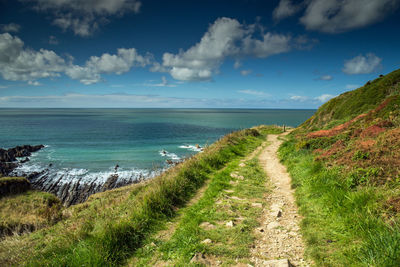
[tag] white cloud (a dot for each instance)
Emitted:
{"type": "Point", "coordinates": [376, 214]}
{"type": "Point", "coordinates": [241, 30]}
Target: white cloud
{"type": "Point", "coordinates": [270, 44]}
{"type": "Point", "coordinates": [21, 64]}
{"type": "Point", "coordinates": [253, 92]}
{"type": "Point", "coordinates": [245, 72]}
{"type": "Point", "coordinates": [334, 16]}
{"type": "Point", "coordinates": [118, 63]}
{"type": "Point", "coordinates": [285, 9]}
{"type": "Point", "coordinates": [83, 17]}
{"type": "Point", "coordinates": [351, 86]}
{"type": "Point", "coordinates": [11, 27]}
{"type": "Point", "coordinates": [225, 38]}
{"type": "Point", "coordinates": [164, 83]}
{"type": "Point", "coordinates": [201, 60]}
{"type": "Point", "coordinates": [237, 64]}
{"type": "Point", "coordinates": [299, 98]}
{"type": "Point", "coordinates": [53, 40]}
{"type": "Point", "coordinates": [323, 98]}
{"type": "Point", "coordinates": [326, 78]}
{"type": "Point", "coordinates": [362, 64]}
{"type": "Point", "coordinates": [17, 63]}
{"type": "Point", "coordinates": [34, 83]}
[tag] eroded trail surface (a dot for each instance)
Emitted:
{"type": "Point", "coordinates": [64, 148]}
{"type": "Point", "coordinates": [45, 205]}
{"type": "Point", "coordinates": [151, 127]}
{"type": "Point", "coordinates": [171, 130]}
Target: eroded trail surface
{"type": "Point", "coordinates": [279, 236]}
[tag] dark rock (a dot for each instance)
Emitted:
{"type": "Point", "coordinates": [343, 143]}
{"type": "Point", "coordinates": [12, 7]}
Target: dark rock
{"type": "Point", "coordinates": [7, 157]}
{"type": "Point", "coordinates": [24, 160]}
{"type": "Point", "coordinates": [110, 183]}
{"type": "Point", "coordinates": [13, 186]}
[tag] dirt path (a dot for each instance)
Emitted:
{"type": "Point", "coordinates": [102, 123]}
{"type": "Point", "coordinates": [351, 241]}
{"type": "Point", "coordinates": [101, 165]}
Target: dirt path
{"type": "Point", "coordinates": [279, 236]}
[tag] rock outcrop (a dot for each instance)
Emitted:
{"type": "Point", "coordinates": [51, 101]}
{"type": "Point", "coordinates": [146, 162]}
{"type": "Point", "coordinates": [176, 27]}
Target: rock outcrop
{"type": "Point", "coordinates": [9, 156]}
{"type": "Point", "coordinates": [13, 185]}
{"type": "Point", "coordinates": [75, 191]}
{"type": "Point", "coordinates": [69, 191]}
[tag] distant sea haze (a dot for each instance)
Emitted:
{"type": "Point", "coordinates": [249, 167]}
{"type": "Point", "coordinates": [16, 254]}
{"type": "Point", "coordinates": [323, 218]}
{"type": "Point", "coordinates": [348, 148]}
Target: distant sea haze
{"type": "Point", "coordinates": [85, 145]}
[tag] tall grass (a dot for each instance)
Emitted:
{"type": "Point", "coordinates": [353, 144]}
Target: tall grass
{"type": "Point", "coordinates": [108, 235]}
{"type": "Point", "coordinates": [342, 224]}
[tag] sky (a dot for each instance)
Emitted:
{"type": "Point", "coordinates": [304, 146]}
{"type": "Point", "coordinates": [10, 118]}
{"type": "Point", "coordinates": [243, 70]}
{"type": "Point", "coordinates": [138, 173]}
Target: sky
{"type": "Point", "coordinates": [192, 54]}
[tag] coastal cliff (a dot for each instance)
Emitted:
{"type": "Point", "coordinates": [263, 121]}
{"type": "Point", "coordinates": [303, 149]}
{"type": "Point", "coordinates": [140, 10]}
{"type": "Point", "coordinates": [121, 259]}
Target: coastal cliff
{"type": "Point", "coordinates": [344, 162]}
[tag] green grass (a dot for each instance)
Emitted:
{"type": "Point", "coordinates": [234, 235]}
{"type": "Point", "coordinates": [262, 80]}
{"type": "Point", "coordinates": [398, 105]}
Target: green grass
{"type": "Point", "coordinates": [28, 211]}
{"type": "Point", "coordinates": [215, 207]}
{"type": "Point", "coordinates": [350, 104]}
{"type": "Point", "coordinates": [343, 223]}
{"type": "Point", "coordinates": [110, 226]}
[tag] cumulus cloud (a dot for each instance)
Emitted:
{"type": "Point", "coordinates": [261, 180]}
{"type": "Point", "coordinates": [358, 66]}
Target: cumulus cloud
{"type": "Point", "coordinates": [18, 63]}
{"type": "Point", "coordinates": [285, 9]}
{"type": "Point", "coordinates": [225, 38]}
{"type": "Point", "coordinates": [362, 64]}
{"type": "Point", "coordinates": [83, 17]}
{"type": "Point", "coordinates": [253, 92]}
{"type": "Point", "coordinates": [335, 16]}
{"type": "Point", "coordinates": [118, 63]}
{"type": "Point", "coordinates": [199, 61]}
{"type": "Point", "coordinates": [11, 27]}
{"type": "Point", "coordinates": [325, 97]}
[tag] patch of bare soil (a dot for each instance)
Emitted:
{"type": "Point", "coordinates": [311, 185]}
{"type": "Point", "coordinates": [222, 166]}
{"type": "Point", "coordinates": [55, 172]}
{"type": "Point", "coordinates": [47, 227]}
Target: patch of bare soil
{"type": "Point", "coordinates": [279, 235]}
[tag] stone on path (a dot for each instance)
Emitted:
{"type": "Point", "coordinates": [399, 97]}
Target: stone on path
{"type": "Point", "coordinates": [229, 224]}
{"type": "Point", "coordinates": [257, 205]}
{"type": "Point", "coordinates": [272, 225]}
{"type": "Point", "coordinates": [207, 225]}
{"type": "Point", "coordinates": [206, 241]}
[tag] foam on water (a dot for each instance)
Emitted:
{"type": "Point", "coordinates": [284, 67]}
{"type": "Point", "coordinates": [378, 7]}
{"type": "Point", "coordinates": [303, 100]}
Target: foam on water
{"type": "Point", "coordinates": [73, 175]}
{"type": "Point", "coordinates": [192, 148]}
{"type": "Point", "coordinates": [169, 155]}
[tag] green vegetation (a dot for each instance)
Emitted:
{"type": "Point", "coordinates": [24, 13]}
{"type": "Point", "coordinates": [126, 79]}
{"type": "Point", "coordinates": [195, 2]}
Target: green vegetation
{"type": "Point", "coordinates": [351, 104]}
{"type": "Point", "coordinates": [344, 165]}
{"type": "Point", "coordinates": [110, 226]}
{"type": "Point", "coordinates": [27, 212]}
{"type": "Point", "coordinates": [225, 199]}
{"type": "Point", "coordinates": [344, 223]}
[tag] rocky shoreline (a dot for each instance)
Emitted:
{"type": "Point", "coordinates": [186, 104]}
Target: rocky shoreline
{"type": "Point", "coordinates": [8, 157]}
{"type": "Point", "coordinates": [69, 192]}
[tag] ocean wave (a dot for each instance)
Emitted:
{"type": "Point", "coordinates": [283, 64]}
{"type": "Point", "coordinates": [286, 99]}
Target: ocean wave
{"type": "Point", "coordinates": [169, 155]}
{"type": "Point", "coordinates": [192, 148]}
{"type": "Point", "coordinates": [74, 175]}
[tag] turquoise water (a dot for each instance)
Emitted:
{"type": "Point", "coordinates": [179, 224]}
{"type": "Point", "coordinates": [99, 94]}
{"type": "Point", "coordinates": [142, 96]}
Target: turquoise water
{"type": "Point", "coordinates": [90, 142]}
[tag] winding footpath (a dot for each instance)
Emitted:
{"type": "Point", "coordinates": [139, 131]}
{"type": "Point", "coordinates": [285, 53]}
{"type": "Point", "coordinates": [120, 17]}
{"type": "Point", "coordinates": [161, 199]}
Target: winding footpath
{"type": "Point", "coordinates": [279, 235]}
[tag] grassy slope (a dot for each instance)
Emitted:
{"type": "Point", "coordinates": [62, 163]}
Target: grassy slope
{"type": "Point", "coordinates": [107, 228]}
{"type": "Point", "coordinates": [217, 206]}
{"type": "Point", "coordinates": [348, 182]}
{"type": "Point", "coordinates": [351, 104]}
{"type": "Point", "coordinates": [28, 211]}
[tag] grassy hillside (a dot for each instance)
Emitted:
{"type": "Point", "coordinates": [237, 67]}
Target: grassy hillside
{"type": "Point", "coordinates": [28, 211]}
{"type": "Point", "coordinates": [351, 104]}
{"type": "Point", "coordinates": [345, 164]}
{"type": "Point", "coordinates": [110, 226]}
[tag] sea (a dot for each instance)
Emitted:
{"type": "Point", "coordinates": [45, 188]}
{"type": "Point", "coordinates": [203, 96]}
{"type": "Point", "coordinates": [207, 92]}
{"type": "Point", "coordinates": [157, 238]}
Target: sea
{"type": "Point", "coordinates": [88, 144]}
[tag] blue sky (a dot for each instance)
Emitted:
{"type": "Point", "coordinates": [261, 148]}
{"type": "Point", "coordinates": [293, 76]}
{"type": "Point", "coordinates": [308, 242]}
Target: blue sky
{"type": "Point", "coordinates": [218, 54]}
